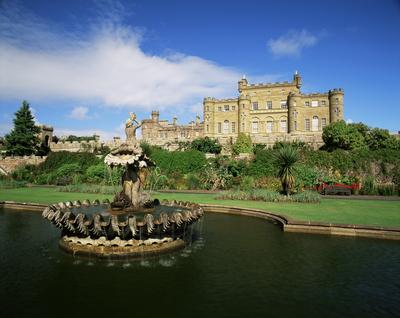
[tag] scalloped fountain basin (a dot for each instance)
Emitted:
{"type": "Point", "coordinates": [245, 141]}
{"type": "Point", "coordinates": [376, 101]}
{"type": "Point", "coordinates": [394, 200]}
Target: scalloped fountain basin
{"type": "Point", "coordinates": [96, 229]}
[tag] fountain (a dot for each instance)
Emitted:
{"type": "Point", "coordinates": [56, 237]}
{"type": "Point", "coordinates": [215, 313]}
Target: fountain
{"type": "Point", "coordinates": [133, 224]}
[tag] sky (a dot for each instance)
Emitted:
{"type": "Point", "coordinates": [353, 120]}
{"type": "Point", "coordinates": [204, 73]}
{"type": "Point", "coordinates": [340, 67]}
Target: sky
{"type": "Point", "coordinates": [84, 65]}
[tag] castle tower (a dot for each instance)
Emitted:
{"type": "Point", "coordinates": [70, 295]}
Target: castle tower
{"type": "Point", "coordinates": [208, 115]}
{"type": "Point", "coordinates": [297, 79]}
{"type": "Point", "coordinates": [155, 116]}
{"type": "Point", "coordinates": [243, 113]}
{"type": "Point", "coordinates": [293, 104]}
{"type": "Point", "coordinates": [336, 104]}
{"type": "Point", "coordinates": [242, 83]}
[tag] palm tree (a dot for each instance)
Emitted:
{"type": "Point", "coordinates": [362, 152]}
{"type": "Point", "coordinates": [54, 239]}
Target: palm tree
{"type": "Point", "coordinates": [285, 159]}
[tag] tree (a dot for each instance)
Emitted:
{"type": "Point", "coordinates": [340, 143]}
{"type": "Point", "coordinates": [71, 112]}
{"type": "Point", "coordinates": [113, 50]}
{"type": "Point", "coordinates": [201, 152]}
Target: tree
{"type": "Point", "coordinates": [23, 140]}
{"type": "Point", "coordinates": [380, 138]}
{"type": "Point", "coordinates": [285, 159]}
{"type": "Point", "coordinates": [339, 135]}
{"type": "Point", "coordinates": [207, 145]}
{"type": "Point", "coordinates": [243, 144]}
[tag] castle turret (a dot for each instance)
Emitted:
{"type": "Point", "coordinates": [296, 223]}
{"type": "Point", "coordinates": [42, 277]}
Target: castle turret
{"type": "Point", "coordinates": [242, 84]}
{"type": "Point", "coordinates": [297, 79]}
{"type": "Point", "coordinates": [293, 103]}
{"type": "Point", "coordinates": [155, 116]}
{"type": "Point", "coordinates": [336, 104]}
{"type": "Point", "coordinates": [175, 120]}
{"type": "Point", "coordinates": [244, 111]}
{"type": "Point", "coordinates": [197, 120]}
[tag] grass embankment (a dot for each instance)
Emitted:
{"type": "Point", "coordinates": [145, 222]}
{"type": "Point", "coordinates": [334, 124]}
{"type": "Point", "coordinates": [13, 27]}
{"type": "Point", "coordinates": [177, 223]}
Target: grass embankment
{"type": "Point", "coordinates": [368, 212]}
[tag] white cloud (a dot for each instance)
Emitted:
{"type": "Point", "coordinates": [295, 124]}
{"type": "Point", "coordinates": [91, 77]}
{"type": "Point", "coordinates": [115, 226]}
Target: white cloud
{"type": "Point", "coordinates": [349, 121]}
{"type": "Point", "coordinates": [292, 43]}
{"type": "Point", "coordinates": [108, 67]}
{"type": "Point", "coordinates": [79, 113]}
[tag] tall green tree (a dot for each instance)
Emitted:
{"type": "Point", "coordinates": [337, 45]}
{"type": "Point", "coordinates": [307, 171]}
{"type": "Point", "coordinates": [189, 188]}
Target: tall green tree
{"type": "Point", "coordinates": [285, 159]}
{"type": "Point", "coordinates": [339, 135]}
{"type": "Point", "coordinates": [23, 140]}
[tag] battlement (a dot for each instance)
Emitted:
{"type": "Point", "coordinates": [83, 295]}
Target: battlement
{"type": "Point", "coordinates": [314, 95]}
{"type": "Point", "coordinates": [336, 91]}
{"type": "Point", "coordinates": [222, 100]}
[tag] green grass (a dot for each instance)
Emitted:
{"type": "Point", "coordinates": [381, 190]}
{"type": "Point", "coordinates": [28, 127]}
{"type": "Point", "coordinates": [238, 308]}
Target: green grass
{"type": "Point", "coordinates": [367, 212]}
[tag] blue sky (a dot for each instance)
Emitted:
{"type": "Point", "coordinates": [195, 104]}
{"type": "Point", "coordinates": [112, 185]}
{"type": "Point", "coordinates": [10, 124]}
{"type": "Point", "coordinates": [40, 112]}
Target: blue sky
{"type": "Point", "coordinates": [83, 65]}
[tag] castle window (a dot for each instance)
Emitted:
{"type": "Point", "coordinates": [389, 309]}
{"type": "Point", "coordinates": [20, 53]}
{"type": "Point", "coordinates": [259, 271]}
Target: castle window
{"type": "Point", "coordinates": [295, 125]}
{"type": "Point", "coordinates": [207, 128]}
{"type": "Point", "coordinates": [323, 123]}
{"type": "Point", "coordinates": [226, 108]}
{"type": "Point", "coordinates": [315, 123]}
{"type": "Point", "coordinates": [243, 127]}
{"type": "Point", "coordinates": [226, 127]}
{"type": "Point", "coordinates": [233, 126]}
{"type": "Point", "coordinates": [255, 106]}
{"type": "Point", "coordinates": [336, 101]}
{"type": "Point", "coordinates": [283, 125]}
{"type": "Point", "coordinates": [314, 103]}
{"type": "Point", "coordinates": [269, 126]}
{"type": "Point", "coordinates": [323, 103]}
{"type": "Point", "coordinates": [307, 103]}
{"type": "Point", "coordinates": [255, 127]}
{"type": "Point", "coordinates": [242, 106]}
{"type": "Point", "coordinates": [219, 128]}
{"type": "Point", "coordinates": [283, 104]}
{"type": "Point", "coordinates": [269, 104]}
{"type": "Point", "coordinates": [233, 107]}
{"type": "Point", "coordinates": [307, 125]}
{"type": "Point", "coordinates": [208, 108]}
{"type": "Point", "coordinates": [219, 108]}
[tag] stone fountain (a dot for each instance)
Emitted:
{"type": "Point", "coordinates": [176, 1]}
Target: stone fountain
{"type": "Point", "coordinates": [133, 224]}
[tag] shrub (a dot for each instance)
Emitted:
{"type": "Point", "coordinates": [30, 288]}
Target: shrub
{"type": "Point", "coordinates": [24, 173]}
{"type": "Point", "coordinates": [247, 183]}
{"type": "Point", "coordinates": [262, 165]}
{"type": "Point", "coordinates": [96, 173]}
{"type": "Point", "coordinates": [11, 184]}
{"type": "Point", "coordinates": [56, 159]}
{"type": "Point", "coordinates": [270, 196]}
{"type": "Point", "coordinates": [182, 161]}
{"type": "Point", "coordinates": [243, 144]}
{"type": "Point", "coordinates": [90, 188]}
{"type": "Point", "coordinates": [207, 145]}
{"type": "Point", "coordinates": [368, 186]}
{"type": "Point", "coordinates": [193, 181]}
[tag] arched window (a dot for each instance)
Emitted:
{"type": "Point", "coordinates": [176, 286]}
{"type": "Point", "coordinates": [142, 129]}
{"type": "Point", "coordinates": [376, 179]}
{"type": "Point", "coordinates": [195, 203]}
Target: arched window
{"type": "Point", "coordinates": [226, 127]}
{"type": "Point", "coordinates": [315, 123]}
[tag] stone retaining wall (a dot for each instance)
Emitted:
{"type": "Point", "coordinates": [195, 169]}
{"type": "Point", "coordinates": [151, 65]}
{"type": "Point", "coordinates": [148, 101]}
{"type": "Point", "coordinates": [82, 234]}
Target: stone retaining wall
{"type": "Point", "coordinates": [9, 164]}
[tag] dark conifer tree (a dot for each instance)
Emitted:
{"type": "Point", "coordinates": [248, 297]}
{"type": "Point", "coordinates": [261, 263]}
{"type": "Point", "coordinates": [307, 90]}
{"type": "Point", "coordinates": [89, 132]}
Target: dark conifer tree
{"type": "Point", "coordinates": [23, 140]}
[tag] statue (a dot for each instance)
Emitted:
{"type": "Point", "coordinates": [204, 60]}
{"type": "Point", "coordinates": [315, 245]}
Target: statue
{"type": "Point", "coordinates": [131, 156]}
{"type": "Point", "coordinates": [130, 127]}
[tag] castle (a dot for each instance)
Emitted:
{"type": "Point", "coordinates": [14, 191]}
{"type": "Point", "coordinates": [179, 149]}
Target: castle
{"type": "Point", "coordinates": [162, 133]}
{"type": "Point", "coordinates": [269, 113]}
{"type": "Point", "coordinates": [272, 112]}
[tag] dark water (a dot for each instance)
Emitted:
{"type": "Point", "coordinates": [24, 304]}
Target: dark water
{"type": "Point", "coordinates": [240, 267]}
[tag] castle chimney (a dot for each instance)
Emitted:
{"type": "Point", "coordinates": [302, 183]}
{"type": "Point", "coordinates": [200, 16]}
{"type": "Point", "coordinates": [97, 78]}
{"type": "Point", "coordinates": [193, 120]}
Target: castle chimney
{"type": "Point", "coordinates": [155, 116]}
{"type": "Point", "coordinates": [197, 120]}
{"type": "Point", "coordinates": [297, 79]}
{"type": "Point", "coordinates": [174, 121]}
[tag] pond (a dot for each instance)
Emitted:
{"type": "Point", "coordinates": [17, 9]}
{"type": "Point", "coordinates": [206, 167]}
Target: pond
{"type": "Point", "coordinates": [239, 266]}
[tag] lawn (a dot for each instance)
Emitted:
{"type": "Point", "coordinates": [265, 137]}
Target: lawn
{"type": "Point", "coordinates": [368, 212]}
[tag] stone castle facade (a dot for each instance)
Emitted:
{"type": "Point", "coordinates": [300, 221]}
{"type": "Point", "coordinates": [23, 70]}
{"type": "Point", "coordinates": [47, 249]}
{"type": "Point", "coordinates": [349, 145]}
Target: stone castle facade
{"type": "Point", "coordinates": [269, 113]}
{"type": "Point", "coordinates": [162, 133]}
{"type": "Point", "coordinates": [272, 112]}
